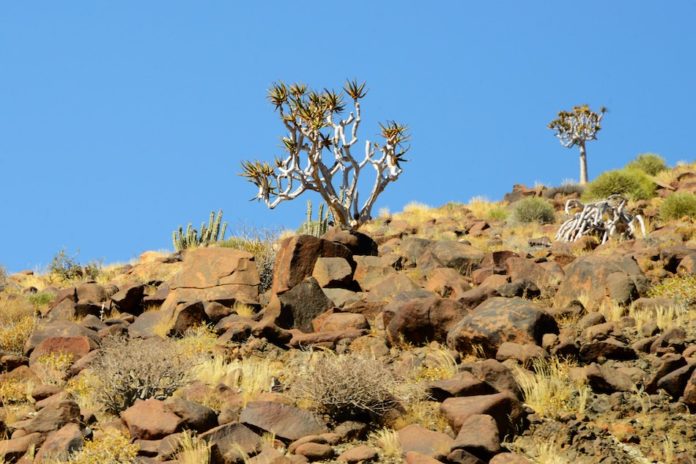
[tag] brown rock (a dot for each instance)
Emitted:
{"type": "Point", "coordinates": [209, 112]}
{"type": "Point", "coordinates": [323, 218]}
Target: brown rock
{"type": "Point", "coordinates": [690, 392]}
{"type": "Point", "coordinates": [60, 444]}
{"type": "Point", "coordinates": [371, 270]}
{"type": "Point", "coordinates": [462, 384]}
{"type": "Point", "coordinates": [283, 420]}
{"type": "Point", "coordinates": [390, 286]}
{"type": "Point", "coordinates": [421, 317]}
{"type": "Point", "coordinates": [416, 438]}
{"type": "Point", "coordinates": [610, 348]}
{"type": "Point", "coordinates": [414, 457]}
{"type": "Point", "coordinates": [358, 454]}
{"type": "Point", "coordinates": [75, 346]}
{"type": "Point", "coordinates": [301, 304]}
{"type": "Point", "coordinates": [333, 272]}
{"type": "Point", "coordinates": [675, 382]}
{"type": "Point", "coordinates": [503, 407]}
{"type": "Point", "coordinates": [496, 374]}
{"type": "Point", "coordinates": [297, 256]}
{"type": "Point", "coordinates": [447, 283]}
{"type": "Point", "coordinates": [227, 440]}
{"type": "Point", "coordinates": [509, 458]}
{"type": "Point", "coordinates": [150, 420]}
{"type": "Point", "coordinates": [358, 243]}
{"type": "Point", "coordinates": [53, 416]}
{"type": "Point", "coordinates": [193, 416]}
{"type": "Point", "coordinates": [524, 354]}
{"type": "Point", "coordinates": [315, 451]}
{"type": "Point", "coordinates": [149, 323]}
{"type": "Point", "coordinates": [446, 253]}
{"type": "Point", "coordinates": [129, 299]}
{"type": "Point", "coordinates": [331, 321]}
{"type": "Point", "coordinates": [13, 449]}
{"type": "Point", "coordinates": [604, 379]}
{"type": "Point", "coordinates": [58, 328]}
{"type": "Point", "coordinates": [479, 436]}
{"type": "Point", "coordinates": [498, 320]}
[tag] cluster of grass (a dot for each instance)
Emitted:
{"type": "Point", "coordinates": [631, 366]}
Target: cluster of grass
{"type": "Point", "coordinates": [533, 209]}
{"type": "Point", "coordinates": [682, 289]}
{"type": "Point", "coordinates": [109, 446]}
{"type": "Point", "coordinates": [52, 368]}
{"type": "Point", "coordinates": [483, 208]}
{"type": "Point", "coordinates": [386, 440]}
{"type": "Point", "coordinates": [650, 163]}
{"type": "Point", "coordinates": [549, 390]}
{"type": "Point", "coordinates": [197, 342]}
{"type": "Point", "coordinates": [250, 376]}
{"type": "Point", "coordinates": [17, 321]}
{"type": "Point", "coordinates": [192, 449]}
{"type": "Point", "coordinates": [678, 205]}
{"type": "Point", "coordinates": [261, 244]}
{"type": "Point", "coordinates": [632, 183]}
{"type": "Point", "coordinates": [64, 268]}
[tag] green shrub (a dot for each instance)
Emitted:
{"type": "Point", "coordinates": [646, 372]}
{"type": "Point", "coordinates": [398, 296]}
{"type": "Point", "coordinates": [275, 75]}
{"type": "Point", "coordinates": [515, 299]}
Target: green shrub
{"type": "Point", "coordinates": [678, 205]}
{"type": "Point", "coordinates": [632, 183]}
{"type": "Point", "coordinates": [66, 268]}
{"type": "Point", "coordinates": [533, 209]}
{"type": "Point", "coordinates": [649, 163]}
{"type": "Point", "coordinates": [41, 299]}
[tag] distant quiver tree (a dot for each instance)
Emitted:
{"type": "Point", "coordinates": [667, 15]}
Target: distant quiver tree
{"type": "Point", "coordinates": [575, 128]}
{"type": "Point", "coordinates": [319, 153]}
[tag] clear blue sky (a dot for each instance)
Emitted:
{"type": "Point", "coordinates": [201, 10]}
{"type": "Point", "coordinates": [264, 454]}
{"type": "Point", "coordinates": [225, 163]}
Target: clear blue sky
{"type": "Point", "coordinates": [121, 120]}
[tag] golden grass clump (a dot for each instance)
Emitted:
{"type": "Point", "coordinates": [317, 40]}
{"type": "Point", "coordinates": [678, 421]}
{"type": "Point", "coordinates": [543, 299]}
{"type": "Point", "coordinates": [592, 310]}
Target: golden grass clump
{"type": "Point", "coordinates": [17, 320]}
{"type": "Point", "coordinates": [439, 364]}
{"type": "Point", "coordinates": [197, 341]}
{"type": "Point", "coordinates": [681, 288]}
{"type": "Point", "coordinates": [250, 376]}
{"type": "Point", "coordinates": [108, 447]}
{"type": "Point", "coordinates": [192, 450]}
{"type": "Point", "coordinates": [549, 390]}
{"type": "Point", "coordinates": [483, 208]}
{"type": "Point", "coordinates": [387, 440]}
{"type": "Point", "coordinates": [52, 368]}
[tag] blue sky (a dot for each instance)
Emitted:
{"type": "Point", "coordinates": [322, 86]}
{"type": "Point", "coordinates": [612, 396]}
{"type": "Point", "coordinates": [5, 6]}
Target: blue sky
{"type": "Point", "coordinates": [120, 121]}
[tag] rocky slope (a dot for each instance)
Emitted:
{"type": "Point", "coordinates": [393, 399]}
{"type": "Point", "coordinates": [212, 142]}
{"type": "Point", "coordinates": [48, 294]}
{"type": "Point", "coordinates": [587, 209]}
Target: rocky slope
{"type": "Point", "coordinates": [488, 341]}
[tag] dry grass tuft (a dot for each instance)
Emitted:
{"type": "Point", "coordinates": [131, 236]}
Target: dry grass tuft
{"type": "Point", "coordinates": [549, 390]}
{"type": "Point", "coordinates": [52, 368]}
{"type": "Point", "coordinates": [387, 440]}
{"type": "Point", "coordinates": [17, 320]}
{"type": "Point", "coordinates": [251, 376]}
{"type": "Point", "coordinates": [192, 450]}
{"type": "Point", "coordinates": [108, 447]}
{"type": "Point", "coordinates": [197, 342]}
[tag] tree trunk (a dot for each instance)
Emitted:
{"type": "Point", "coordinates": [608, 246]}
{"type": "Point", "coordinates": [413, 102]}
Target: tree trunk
{"type": "Point", "coordinates": [583, 164]}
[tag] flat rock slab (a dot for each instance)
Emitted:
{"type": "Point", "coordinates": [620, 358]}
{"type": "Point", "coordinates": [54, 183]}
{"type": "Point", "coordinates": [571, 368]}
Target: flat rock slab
{"type": "Point", "coordinates": [227, 440]}
{"type": "Point", "coordinates": [287, 422]}
{"type": "Point", "coordinates": [433, 444]}
{"type": "Point", "coordinates": [150, 420]}
{"type": "Point", "coordinates": [503, 407]}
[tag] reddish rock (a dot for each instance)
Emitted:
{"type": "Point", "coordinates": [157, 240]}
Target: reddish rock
{"type": "Point", "coordinates": [58, 328]}
{"type": "Point", "coordinates": [75, 346]}
{"type": "Point", "coordinates": [129, 299]}
{"type": "Point", "coordinates": [13, 449]}
{"type": "Point", "coordinates": [414, 457]}
{"type": "Point", "coordinates": [297, 256]}
{"type": "Point", "coordinates": [479, 436]}
{"type": "Point", "coordinates": [496, 374]}
{"type": "Point", "coordinates": [193, 416]}
{"type": "Point", "coordinates": [421, 317]}
{"type": "Point", "coordinates": [371, 270]}
{"type": "Point", "coordinates": [690, 392]}
{"type": "Point", "coordinates": [358, 243]}
{"type": "Point", "coordinates": [331, 321]}
{"type": "Point", "coordinates": [52, 417]}
{"type": "Point", "coordinates": [149, 323]}
{"type": "Point", "coordinates": [604, 379]}
{"type": "Point", "coordinates": [392, 285]}
{"type": "Point", "coordinates": [333, 272]}
{"type": "Point", "coordinates": [227, 440]}
{"type": "Point", "coordinates": [284, 421]}
{"type": "Point", "coordinates": [359, 454]}
{"type": "Point", "coordinates": [446, 253]}
{"type": "Point", "coordinates": [462, 384]}
{"type": "Point", "coordinates": [524, 354]}
{"type": "Point", "coordinates": [447, 283]}
{"type": "Point", "coordinates": [315, 451]}
{"type": "Point", "coordinates": [545, 278]}
{"type": "Point", "coordinates": [503, 407]}
{"type": "Point", "coordinates": [589, 276]}
{"type": "Point", "coordinates": [675, 382]}
{"type": "Point", "coordinates": [60, 444]}
{"type": "Point", "coordinates": [500, 320]}
{"type": "Point", "coordinates": [509, 458]}
{"type": "Point", "coordinates": [301, 339]}
{"type": "Point", "coordinates": [150, 420]}
{"type": "Point", "coordinates": [416, 438]}
{"type": "Point", "coordinates": [609, 348]}
{"type": "Point", "coordinates": [299, 305]}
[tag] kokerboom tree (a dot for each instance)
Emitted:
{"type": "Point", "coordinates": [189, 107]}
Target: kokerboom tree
{"type": "Point", "coordinates": [575, 128]}
{"type": "Point", "coordinates": [320, 153]}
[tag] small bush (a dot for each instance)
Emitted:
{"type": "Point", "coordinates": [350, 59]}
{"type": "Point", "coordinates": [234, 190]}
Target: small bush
{"type": "Point", "coordinates": [41, 299]}
{"type": "Point", "coordinates": [349, 386]}
{"type": "Point", "coordinates": [138, 369]}
{"type": "Point", "coordinates": [678, 205]}
{"type": "Point", "coordinates": [632, 183]}
{"type": "Point", "coordinates": [66, 268]}
{"type": "Point", "coordinates": [649, 163]}
{"type": "Point", "coordinates": [109, 447]}
{"type": "Point", "coordinates": [533, 209]}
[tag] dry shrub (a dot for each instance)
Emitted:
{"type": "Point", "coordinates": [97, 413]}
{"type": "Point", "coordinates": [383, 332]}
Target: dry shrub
{"type": "Point", "coordinates": [349, 386]}
{"type": "Point", "coordinates": [533, 209]}
{"type": "Point", "coordinates": [17, 321]}
{"type": "Point", "coordinates": [549, 390]}
{"type": "Point", "coordinates": [134, 369]}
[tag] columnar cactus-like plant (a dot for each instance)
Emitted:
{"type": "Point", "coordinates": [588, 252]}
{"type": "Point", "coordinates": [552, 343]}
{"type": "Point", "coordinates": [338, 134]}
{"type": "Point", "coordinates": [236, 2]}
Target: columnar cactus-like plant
{"type": "Point", "coordinates": [576, 127]}
{"type": "Point", "coordinates": [316, 227]}
{"type": "Point", "coordinates": [319, 153]}
{"type": "Point", "coordinates": [211, 233]}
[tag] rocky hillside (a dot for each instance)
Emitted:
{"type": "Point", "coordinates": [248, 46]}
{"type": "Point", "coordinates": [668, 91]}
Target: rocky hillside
{"type": "Point", "coordinates": [458, 334]}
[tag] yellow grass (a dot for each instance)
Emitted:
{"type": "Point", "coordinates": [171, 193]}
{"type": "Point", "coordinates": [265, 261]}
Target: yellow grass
{"type": "Point", "coordinates": [197, 341]}
{"type": "Point", "coordinates": [192, 450]}
{"type": "Point", "coordinates": [106, 447]}
{"type": "Point", "coordinates": [244, 310]}
{"type": "Point", "coordinates": [52, 368]}
{"type": "Point", "coordinates": [439, 364]}
{"type": "Point", "coordinates": [387, 440]}
{"type": "Point", "coordinates": [16, 322]}
{"type": "Point", "coordinates": [250, 376]}
{"type": "Point", "coordinates": [483, 208]}
{"type": "Point", "coordinates": [549, 390]}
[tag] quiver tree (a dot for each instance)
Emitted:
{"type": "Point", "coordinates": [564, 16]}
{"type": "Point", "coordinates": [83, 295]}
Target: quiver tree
{"type": "Point", "coordinates": [319, 153]}
{"type": "Point", "coordinates": [575, 128]}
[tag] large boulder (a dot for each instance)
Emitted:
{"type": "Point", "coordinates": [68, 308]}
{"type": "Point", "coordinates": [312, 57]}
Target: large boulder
{"type": "Point", "coordinates": [459, 256]}
{"type": "Point", "coordinates": [358, 243]}
{"type": "Point", "coordinates": [420, 317]}
{"type": "Point", "coordinates": [600, 278]}
{"type": "Point", "coordinates": [297, 307]}
{"type": "Point", "coordinates": [286, 422]}
{"type": "Point", "coordinates": [297, 256]}
{"type": "Point", "coordinates": [150, 420]}
{"type": "Point", "coordinates": [498, 320]}
{"type": "Point", "coordinates": [224, 275]}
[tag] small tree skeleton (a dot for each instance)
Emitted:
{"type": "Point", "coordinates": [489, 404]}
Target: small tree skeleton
{"type": "Point", "coordinates": [604, 218]}
{"type": "Point", "coordinates": [313, 126]}
{"type": "Point", "coordinates": [576, 127]}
